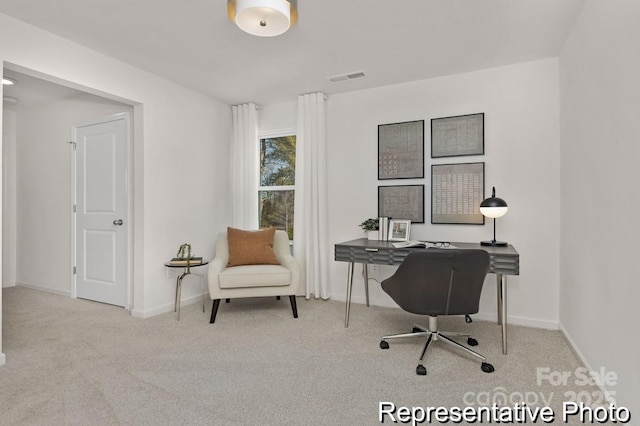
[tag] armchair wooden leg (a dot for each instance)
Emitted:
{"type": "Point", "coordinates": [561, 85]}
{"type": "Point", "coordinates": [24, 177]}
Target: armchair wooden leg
{"type": "Point", "coordinates": [294, 307]}
{"type": "Point", "coordinates": [214, 310]}
{"type": "Point", "coordinates": [277, 297]}
{"type": "Point", "coordinates": [227, 300]}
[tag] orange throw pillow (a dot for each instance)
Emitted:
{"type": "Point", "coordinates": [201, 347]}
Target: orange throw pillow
{"type": "Point", "coordinates": [251, 247]}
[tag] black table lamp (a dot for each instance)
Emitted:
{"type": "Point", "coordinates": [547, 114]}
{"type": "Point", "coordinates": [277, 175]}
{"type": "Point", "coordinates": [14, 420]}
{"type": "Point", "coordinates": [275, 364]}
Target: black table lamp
{"type": "Point", "coordinates": [493, 207]}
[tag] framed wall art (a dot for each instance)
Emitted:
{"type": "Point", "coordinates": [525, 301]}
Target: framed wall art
{"type": "Point", "coordinates": [456, 193]}
{"type": "Point", "coordinates": [401, 150]}
{"type": "Point", "coordinates": [402, 201]}
{"type": "Point", "coordinates": [457, 136]}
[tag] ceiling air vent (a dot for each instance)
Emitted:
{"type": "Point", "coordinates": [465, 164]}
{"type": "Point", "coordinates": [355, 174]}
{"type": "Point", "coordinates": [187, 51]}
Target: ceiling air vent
{"type": "Point", "coordinates": [345, 77]}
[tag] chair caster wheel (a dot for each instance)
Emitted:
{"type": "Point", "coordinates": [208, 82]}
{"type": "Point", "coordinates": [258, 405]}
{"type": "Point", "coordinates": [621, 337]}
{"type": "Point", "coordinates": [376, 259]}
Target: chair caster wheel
{"type": "Point", "coordinates": [472, 342]}
{"type": "Point", "coordinates": [384, 345]}
{"type": "Point", "coordinates": [421, 370]}
{"type": "Point", "coordinates": [487, 368]}
{"type": "Point", "coordinates": [467, 319]}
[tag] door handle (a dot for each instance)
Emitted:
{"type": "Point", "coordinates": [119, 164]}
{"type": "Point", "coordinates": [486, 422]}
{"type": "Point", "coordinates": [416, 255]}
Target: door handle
{"type": "Point", "coordinates": [118, 222]}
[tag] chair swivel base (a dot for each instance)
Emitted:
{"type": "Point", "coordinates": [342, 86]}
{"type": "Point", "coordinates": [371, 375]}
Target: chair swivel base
{"type": "Point", "coordinates": [433, 335]}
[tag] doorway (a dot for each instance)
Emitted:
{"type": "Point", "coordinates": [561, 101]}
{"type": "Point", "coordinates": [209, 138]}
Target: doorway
{"type": "Point", "coordinates": [101, 218]}
{"type": "Point", "coordinates": [43, 118]}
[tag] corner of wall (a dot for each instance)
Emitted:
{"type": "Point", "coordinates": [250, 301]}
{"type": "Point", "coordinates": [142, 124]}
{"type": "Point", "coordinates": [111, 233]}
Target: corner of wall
{"type": "Point", "coordinates": [608, 394]}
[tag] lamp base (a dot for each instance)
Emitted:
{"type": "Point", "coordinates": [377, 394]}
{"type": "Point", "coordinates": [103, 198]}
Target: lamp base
{"type": "Point", "coordinates": [494, 243]}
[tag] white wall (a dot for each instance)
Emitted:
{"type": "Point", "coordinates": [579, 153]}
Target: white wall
{"type": "Point", "coordinates": [277, 117]}
{"type": "Point", "coordinates": [600, 153]}
{"type": "Point", "coordinates": [9, 198]}
{"type": "Point", "coordinates": [521, 158]}
{"type": "Point", "coordinates": [44, 188]}
{"type": "Point", "coordinates": [181, 136]}
{"type": "Point", "coordinates": [520, 104]}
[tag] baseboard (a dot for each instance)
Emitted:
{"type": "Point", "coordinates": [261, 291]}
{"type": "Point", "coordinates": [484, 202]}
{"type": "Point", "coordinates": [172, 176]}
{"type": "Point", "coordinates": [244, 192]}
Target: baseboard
{"type": "Point", "coordinates": [168, 307]}
{"type": "Point", "coordinates": [45, 289]}
{"type": "Point", "coordinates": [484, 316]}
{"type": "Point", "coordinates": [3, 359]}
{"type": "Point", "coordinates": [147, 313]}
{"type": "Point", "coordinates": [576, 350]}
{"type": "Point", "coordinates": [516, 320]}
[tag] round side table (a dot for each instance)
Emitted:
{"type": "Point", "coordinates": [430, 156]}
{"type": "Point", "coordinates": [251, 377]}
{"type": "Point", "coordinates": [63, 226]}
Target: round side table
{"type": "Point", "coordinates": [187, 271]}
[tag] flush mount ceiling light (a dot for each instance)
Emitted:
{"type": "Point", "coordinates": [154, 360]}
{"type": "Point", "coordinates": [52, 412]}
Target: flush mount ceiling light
{"type": "Point", "coordinates": [7, 81]}
{"type": "Point", "coordinates": [264, 18]}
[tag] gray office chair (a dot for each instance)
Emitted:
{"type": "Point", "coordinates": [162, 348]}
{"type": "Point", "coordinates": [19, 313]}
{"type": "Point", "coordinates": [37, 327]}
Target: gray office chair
{"type": "Point", "coordinates": [438, 282]}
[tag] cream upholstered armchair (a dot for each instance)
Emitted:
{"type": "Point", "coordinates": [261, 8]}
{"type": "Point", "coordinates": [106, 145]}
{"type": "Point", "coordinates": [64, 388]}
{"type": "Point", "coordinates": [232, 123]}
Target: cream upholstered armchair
{"type": "Point", "coordinates": [253, 264]}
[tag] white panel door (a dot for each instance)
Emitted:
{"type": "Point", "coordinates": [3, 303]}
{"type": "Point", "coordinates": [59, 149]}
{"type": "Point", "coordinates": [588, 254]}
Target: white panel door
{"type": "Point", "coordinates": [101, 211]}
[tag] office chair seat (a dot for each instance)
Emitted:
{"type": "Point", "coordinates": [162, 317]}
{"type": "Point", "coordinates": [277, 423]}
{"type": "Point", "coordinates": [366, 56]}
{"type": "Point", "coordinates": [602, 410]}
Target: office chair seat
{"type": "Point", "coordinates": [437, 282]}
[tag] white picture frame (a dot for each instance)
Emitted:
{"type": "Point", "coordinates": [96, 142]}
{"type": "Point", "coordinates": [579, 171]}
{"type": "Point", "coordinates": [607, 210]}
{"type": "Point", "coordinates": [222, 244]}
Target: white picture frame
{"type": "Point", "coordinates": [399, 229]}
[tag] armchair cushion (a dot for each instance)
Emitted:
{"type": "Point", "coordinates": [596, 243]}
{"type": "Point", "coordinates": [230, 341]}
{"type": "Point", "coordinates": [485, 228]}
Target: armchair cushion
{"type": "Point", "coordinates": [251, 247]}
{"type": "Point", "coordinates": [255, 276]}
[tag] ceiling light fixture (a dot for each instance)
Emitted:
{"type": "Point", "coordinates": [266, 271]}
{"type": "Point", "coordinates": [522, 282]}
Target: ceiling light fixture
{"type": "Point", "coordinates": [7, 81]}
{"type": "Point", "coordinates": [264, 18]}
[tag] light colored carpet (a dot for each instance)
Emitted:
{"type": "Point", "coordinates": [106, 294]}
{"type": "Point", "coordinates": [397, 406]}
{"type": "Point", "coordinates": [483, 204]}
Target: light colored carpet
{"type": "Point", "coordinates": [76, 362]}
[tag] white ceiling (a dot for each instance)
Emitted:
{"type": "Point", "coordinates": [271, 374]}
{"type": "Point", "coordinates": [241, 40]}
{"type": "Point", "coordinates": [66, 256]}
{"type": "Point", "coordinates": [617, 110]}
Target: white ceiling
{"type": "Point", "coordinates": [32, 91]}
{"type": "Point", "coordinates": [393, 41]}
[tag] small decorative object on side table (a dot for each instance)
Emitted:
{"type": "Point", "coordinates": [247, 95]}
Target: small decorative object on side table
{"type": "Point", "coordinates": [184, 260]}
{"type": "Point", "coordinates": [184, 251]}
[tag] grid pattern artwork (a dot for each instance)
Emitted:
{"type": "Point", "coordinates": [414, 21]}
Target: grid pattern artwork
{"type": "Point", "coordinates": [457, 136]}
{"type": "Point", "coordinates": [456, 193]}
{"type": "Point", "coordinates": [402, 202]}
{"type": "Point", "coordinates": [401, 150]}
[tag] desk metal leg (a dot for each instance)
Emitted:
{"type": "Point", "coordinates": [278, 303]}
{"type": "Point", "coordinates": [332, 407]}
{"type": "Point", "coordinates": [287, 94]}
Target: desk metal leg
{"type": "Point", "coordinates": [499, 295]}
{"type": "Point", "coordinates": [349, 288]}
{"type": "Point", "coordinates": [502, 308]}
{"type": "Point", "coordinates": [365, 266]}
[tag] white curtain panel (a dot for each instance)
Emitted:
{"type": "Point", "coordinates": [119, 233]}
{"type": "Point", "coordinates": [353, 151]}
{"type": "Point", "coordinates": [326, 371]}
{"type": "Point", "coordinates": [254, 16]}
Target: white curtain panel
{"type": "Point", "coordinates": [311, 211]}
{"type": "Point", "coordinates": [244, 166]}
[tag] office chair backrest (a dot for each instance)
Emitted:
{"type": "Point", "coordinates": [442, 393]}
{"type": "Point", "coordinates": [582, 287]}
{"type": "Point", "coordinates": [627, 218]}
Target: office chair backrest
{"type": "Point", "coordinates": [439, 281]}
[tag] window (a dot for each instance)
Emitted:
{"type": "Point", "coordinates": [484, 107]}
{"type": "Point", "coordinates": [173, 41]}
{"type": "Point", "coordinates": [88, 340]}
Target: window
{"type": "Point", "coordinates": [277, 182]}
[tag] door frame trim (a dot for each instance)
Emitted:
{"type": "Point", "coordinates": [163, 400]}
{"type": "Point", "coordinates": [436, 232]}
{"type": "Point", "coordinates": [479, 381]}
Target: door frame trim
{"type": "Point", "coordinates": [128, 188]}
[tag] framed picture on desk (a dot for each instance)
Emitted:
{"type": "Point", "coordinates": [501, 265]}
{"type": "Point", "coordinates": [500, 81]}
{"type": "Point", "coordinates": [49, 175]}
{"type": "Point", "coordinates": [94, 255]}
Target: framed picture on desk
{"type": "Point", "coordinates": [399, 229]}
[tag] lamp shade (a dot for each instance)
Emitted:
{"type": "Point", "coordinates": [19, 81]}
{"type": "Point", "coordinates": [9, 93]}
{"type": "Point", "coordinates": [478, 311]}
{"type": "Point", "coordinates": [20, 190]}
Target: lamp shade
{"type": "Point", "coordinates": [264, 18]}
{"type": "Point", "coordinates": [493, 207]}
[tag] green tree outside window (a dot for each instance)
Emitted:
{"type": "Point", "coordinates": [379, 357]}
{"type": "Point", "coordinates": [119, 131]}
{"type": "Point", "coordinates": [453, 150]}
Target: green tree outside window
{"type": "Point", "coordinates": [277, 182]}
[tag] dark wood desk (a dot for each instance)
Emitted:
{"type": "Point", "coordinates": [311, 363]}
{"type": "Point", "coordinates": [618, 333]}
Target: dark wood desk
{"type": "Point", "coordinates": [503, 261]}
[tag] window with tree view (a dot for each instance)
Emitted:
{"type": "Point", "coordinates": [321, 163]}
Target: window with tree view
{"type": "Point", "coordinates": [277, 182]}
